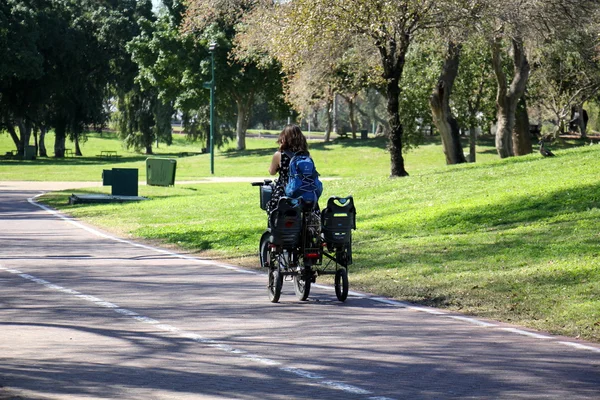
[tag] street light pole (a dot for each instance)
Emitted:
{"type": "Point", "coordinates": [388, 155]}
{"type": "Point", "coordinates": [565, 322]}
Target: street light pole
{"type": "Point", "coordinates": [211, 48]}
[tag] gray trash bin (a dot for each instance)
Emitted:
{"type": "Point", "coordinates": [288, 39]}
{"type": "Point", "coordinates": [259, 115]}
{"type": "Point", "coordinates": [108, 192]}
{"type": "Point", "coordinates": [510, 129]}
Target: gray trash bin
{"type": "Point", "coordinates": [160, 171]}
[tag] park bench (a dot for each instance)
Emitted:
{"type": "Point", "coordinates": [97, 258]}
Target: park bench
{"type": "Point", "coordinates": [108, 154]}
{"type": "Point", "coordinates": [68, 153]}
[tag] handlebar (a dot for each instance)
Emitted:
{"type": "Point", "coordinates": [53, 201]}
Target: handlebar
{"type": "Point", "coordinates": [265, 182]}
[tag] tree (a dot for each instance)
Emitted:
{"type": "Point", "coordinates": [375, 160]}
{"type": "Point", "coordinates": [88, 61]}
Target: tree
{"type": "Point", "coordinates": [516, 23]}
{"type": "Point", "coordinates": [567, 74]}
{"type": "Point", "coordinates": [388, 27]}
{"type": "Point", "coordinates": [457, 29]}
{"type": "Point", "coordinates": [508, 94]}
{"type": "Point", "coordinates": [142, 118]}
{"type": "Point", "coordinates": [20, 37]}
{"type": "Point", "coordinates": [474, 90]}
{"type": "Point", "coordinates": [239, 80]}
{"type": "Point", "coordinates": [421, 71]}
{"type": "Point", "coordinates": [440, 106]}
{"type": "Point", "coordinates": [168, 66]}
{"type": "Point", "coordinates": [67, 47]}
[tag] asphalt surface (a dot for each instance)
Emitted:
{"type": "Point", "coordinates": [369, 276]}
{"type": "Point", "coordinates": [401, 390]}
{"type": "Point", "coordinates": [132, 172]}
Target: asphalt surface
{"type": "Point", "coordinates": [84, 315]}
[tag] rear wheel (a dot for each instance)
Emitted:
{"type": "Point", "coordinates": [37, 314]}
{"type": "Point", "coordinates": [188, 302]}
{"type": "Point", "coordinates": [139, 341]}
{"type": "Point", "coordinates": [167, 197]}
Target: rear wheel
{"type": "Point", "coordinates": [302, 284]}
{"type": "Point", "coordinates": [275, 285]}
{"type": "Point", "coordinates": [341, 284]}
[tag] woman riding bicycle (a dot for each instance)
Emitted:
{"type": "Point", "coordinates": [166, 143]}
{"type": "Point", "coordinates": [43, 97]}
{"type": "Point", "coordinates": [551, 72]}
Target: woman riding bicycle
{"type": "Point", "coordinates": [291, 141]}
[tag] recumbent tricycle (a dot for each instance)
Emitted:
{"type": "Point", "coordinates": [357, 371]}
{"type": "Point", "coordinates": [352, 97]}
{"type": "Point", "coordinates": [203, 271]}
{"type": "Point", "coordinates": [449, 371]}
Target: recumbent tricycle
{"type": "Point", "coordinates": [301, 246]}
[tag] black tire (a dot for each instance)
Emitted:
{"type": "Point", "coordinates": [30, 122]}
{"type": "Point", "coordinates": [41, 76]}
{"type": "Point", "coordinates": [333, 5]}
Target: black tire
{"type": "Point", "coordinates": [263, 250]}
{"type": "Point", "coordinates": [341, 284]}
{"type": "Point", "coordinates": [343, 255]}
{"type": "Point", "coordinates": [302, 284]}
{"type": "Point", "coordinates": [275, 284]}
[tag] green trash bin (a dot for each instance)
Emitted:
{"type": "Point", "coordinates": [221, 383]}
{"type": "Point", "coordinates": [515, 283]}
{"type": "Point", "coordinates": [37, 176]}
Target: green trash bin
{"type": "Point", "coordinates": [107, 177]}
{"type": "Point", "coordinates": [29, 152]}
{"type": "Point", "coordinates": [124, 182]}
{"type": "Point", "coordinates": [160, 171]}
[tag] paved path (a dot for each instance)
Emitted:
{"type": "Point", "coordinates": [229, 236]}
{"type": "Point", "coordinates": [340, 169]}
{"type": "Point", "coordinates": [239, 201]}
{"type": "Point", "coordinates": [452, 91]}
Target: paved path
{"type": "Point", "coordinates": [84, 315]}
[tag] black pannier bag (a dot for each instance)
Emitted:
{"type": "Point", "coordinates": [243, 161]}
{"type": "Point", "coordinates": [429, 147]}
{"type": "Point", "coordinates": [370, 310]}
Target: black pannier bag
{"type": "Point", "coordinates": [285, 223]}
{"type": "Point", "coordinates": [338, 220]}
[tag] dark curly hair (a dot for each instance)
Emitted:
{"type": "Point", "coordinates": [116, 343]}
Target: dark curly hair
{"type": "Point", "coordinates": [292, 139]}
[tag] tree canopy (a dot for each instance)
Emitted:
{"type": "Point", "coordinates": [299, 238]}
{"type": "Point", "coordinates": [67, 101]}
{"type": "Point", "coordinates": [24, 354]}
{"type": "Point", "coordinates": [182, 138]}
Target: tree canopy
{"type": "Point", "coordinates": [441, 66]}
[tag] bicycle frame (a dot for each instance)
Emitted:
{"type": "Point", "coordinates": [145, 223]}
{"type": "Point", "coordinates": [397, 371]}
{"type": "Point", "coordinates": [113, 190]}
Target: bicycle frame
{"type": "Point", "coordinates": [301, 259]}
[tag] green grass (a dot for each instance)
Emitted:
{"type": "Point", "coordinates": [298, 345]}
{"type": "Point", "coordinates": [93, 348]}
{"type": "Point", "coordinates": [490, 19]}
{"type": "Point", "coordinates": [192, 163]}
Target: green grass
{"type": "Point", "coordinates": [514, 240]}
{"type": "Point", "coordinates": [340, 158]}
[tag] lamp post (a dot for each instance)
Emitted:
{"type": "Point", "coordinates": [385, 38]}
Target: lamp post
{"type": "Point", "coordinates": [211, 85]}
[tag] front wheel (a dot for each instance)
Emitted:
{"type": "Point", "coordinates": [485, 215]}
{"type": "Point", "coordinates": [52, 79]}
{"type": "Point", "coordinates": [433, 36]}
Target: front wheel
{"type": "Point", "coordinates": [302, 285]}
{"type": "Point", "coordinates": [341, 284]}
{"type": "Point", "coordinates": [275, 285]}
{"type": "Point", "coordinates": [263, 250]}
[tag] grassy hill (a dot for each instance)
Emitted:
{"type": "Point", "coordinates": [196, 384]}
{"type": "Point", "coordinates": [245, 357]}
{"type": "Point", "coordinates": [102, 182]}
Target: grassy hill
{"type": "Point", "coordinates": [514, 240]}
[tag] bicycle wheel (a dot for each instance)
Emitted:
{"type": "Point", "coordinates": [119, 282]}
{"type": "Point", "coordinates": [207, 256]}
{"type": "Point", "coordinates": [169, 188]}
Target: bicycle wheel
{"type": "Point", "coordinates": [275, 285]}
{"type": "Point", "coordinates": [263, 250]}
{"type": "Point", "coordinates": [341, 284]}
{"type": "Point", "coordinates": [302, 284]}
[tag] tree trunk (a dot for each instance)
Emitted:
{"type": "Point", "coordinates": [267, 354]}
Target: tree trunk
{"type": "Point", "coordinates": [329, 118]}
{"type": "Point", "coordinates": [440, 107]}
{"type": "Point", "coordinates": [393, 56]}
{"type": "Point", "coordinates": [474, 106]}
{"type": "Point", "coordinates": [243, 116]}
{"type": "Point", "coordinates": [506, 121]}
{"type": "Point", "coordinates": [582, 121]}
{"type": "Point", "coordinates": [35, 139]}
{"type": "Point", "coordinates": [351, 101]}
{"type": "Point", "coordinates": [351, 114]}
{"type": "Point", "coordinates": [42, 143]}
{"type": "Point", "coordinates": [59, 139]}
{"type": "Point", "coordinates": [472, 144]}
{"type": "Point", "coordinates": [395, 138]}
{"type": "Point", "coordinates": [334, 116]}
{"type": "Point", "coordinates": [508, 96]}
{"type": "Point", "coordinates": [25, 127]}
{"type": "Point", "coordinates": [78, 149]}
{"type": "Point", "coordinates": [521, 137]}
{"type": "Point", "coordinates": [13, 135]}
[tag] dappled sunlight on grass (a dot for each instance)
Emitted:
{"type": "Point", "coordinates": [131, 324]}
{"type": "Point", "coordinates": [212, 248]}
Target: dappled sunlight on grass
{"type": "Point", "coordinates": [515, 239]}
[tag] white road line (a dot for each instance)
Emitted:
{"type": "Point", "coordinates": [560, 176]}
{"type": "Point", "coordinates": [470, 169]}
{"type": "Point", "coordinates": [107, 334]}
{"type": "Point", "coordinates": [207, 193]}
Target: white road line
{"type": "Point", "coordinates": [581, 346]}
{"type": "Point", "coordinates": [189, 335]}
{"type": "Point", "coordinates": [388, 301]}
{"type": "Point", "coordinates": [345, 387]}
{"type": "Point", "coordinates": [245, 271]}
{"type": "Point", "coordinates": [426, 310]}
{"type": "Point", "coordinates": [302, 373]}
{"type": "Point", "coordinates": [526, 333]}
{"type": "Point", "coordinates": [471, 321]}
{"type": "Point", "coordinates": [125, 312]}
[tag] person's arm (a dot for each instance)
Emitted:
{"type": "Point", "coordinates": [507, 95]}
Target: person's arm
{"type": "Point", "coordinates": [275, 162]}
